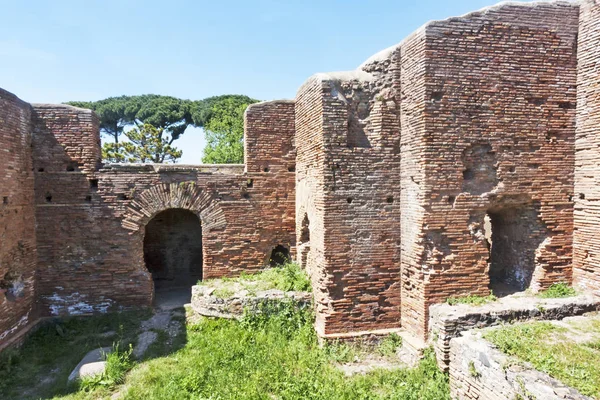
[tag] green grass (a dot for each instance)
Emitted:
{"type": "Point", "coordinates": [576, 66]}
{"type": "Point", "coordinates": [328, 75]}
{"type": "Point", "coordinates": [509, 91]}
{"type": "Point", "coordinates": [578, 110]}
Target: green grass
{"type": "Point", "coordinates": [118, 363]}
{"type": "Point", "coordinates": [272, 355]}
{"type": "Point", "coordinates": [287, 277]}
{"type": "Point", "coordinates": [472, 300]}
{"type": "Point", "coordinates": [53, 350]}
{"type": "Point", "coordinates": [545, 346]}
{"type": "Point", "coordinates": [558, 290]}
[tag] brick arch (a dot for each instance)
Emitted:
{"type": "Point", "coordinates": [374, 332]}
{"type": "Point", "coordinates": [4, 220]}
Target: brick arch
{"type": "Point", "coordinates": [186, 195]}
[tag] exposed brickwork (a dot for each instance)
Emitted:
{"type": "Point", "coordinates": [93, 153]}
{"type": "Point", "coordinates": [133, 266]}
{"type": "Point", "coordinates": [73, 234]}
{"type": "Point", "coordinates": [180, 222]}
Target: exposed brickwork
{"type": "Point", "coordinates": [17, 223]}
{"type": "Point", "coordinates": [91, 223]}
{"type": "Point", "coordinates": [355, 154]}
{"type": "Point", "coordinates": [586, 240]}
{"type": "Point", "coordinates": [499, 116]}
{"type": "Point", "coordinates": [440, 167]}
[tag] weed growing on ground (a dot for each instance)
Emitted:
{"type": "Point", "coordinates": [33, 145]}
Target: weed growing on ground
{"type": "Point", "coordinates": [55, 348]}
{"type": "Point", "coordinates": [273, 354]}
{"type": "Point", "coordinates": [389, 345]}
{"type": "Point", "coordinates": [558, 290]}
{"type": "Point", "coordinates": [286, 277]}
{"type": "Point", "coordinates": [118, 363]}
{"type": "Point", "coordinates": [544, 346]}
{"type": "Point", "coordinates": [472, 300]}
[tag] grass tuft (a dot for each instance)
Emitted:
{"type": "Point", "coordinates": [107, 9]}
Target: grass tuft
{"type": "Point", "coordinates": [389, 345]}
{"type": "Point", "coordinates": [544, 346]}
{"type": "Point", "coordinates": [118, 363]}
{"type": "Point", "coordinates": [558, 290]}
{"type": "Point", "coordinates": [287, 277]}
{"type": "Point", "coordinates": [472, 300]}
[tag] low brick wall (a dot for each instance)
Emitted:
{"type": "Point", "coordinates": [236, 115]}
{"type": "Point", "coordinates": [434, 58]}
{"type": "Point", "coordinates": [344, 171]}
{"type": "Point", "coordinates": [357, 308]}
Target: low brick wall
{"type": "Point", "coordinates": [478, 371]}
{"type": "Point", "coordinates": [448, 322]}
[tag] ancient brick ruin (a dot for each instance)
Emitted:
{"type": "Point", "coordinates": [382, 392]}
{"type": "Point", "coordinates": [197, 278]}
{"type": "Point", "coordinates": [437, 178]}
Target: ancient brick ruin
{"type": "Point", "coordinates": [464, 159]}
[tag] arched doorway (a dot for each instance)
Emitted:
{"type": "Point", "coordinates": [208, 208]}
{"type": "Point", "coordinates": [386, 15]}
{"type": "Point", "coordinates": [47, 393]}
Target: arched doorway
{"type": "Point", "coordinates": [173, 252]}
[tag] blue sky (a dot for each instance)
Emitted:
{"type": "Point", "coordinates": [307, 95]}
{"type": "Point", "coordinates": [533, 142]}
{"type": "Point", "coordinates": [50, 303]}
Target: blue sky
{"type": "Point", "coordinates": [60, 50]}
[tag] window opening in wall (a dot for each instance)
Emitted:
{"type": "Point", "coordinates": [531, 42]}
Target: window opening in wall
{"type": "Point", "coordinates": [513, 236]}
{"type": "Point", "coordinates": [305, 230]}
{"type": "Point", "coordinates": [279, 256]}
{"type": "Point", "coordinates": [93, 183]}
{"type": "Point", "coordinates": [5, 200]}
{"type": "Point", "coordinates": [304, 241]}
{"type": "Point", "coordinates": [48, 198]}
{"type": "Point", "coordinates": [173, 253]}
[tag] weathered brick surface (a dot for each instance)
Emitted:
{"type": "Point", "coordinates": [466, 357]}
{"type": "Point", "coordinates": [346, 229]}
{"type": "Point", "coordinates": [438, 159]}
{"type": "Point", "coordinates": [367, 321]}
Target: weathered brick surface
{"type": "Point", "coordinates": [91, 222]}
{"type": "Point", "coordinates": [441, 166]}
{"type": "Point", "coordinates": [17, 223]}
{"type": "Point", "coordinates": [498, 139]}
{"type": "Point", "coordinates": [586, 240]}
{"type": "Point", "coordinates": [348, 170]}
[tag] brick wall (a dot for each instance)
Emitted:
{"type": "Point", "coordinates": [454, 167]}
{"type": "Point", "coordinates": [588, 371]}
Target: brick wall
{"type": "Point", "coordinates": [349, 166]}
{"type": "Point", "coordinates": [17, 218]}
{"type": "Point", "coordinates": [498, 139]}
{"type": "Point", "coordinates": [586, 240]}
{"type": "Point", "coordinates": [438, 167]}
{"type": "Point", "coordinates": [91, 222]}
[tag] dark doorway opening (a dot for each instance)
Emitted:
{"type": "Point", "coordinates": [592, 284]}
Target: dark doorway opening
{"type": "Point", "coordinates": [173, 252]}
{"type": "Point", "coordinates": [514, 235]}
{"type": "Point", "coordinates": [279, 256]}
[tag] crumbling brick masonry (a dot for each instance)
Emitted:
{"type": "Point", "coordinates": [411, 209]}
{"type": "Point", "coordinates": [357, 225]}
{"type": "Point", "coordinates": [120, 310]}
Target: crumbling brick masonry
{"type": "Point", "coordinates": [463, 160]}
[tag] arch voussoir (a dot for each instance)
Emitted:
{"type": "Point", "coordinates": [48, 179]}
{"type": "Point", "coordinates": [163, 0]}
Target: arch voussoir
{"type": "Point", "coordinates": [185, 195]}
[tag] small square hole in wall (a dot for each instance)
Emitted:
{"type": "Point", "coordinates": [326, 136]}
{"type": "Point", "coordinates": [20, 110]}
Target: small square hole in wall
{"type": "Point", "coordinates": [250, 183]}
{"type": "Point", "coordinates": [48, 198]}
{"type": "Point", "coordinates": [390, 199]}
{"type": "Point", "coordinates": [266, 169]}
{"type": "Point", "coordinates": [291, 168]}
{"type": "Point", "coordinates": [93, 183]}
{"type": "Point", "coordinates": [71, 167]}
{"type": "Point", "coordinates": [88, 198]}
{"type": "Point", "coordinates": [245, 195]}
{"type": "Point", "coordinates": [40, 169]}
{"type": "Point", "coordinates": [5, 200]}
{"type": "Point", "coordinates": [122, 196]}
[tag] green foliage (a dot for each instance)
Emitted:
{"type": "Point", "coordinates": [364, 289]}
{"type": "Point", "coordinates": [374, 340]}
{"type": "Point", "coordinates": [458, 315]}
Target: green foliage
{"type": "Point", "coordinates": [558, 290]}
{"type": "Point", "coordinates": [287, 277]}
{"type": "Point", "coordinates": [146, 144]}
{"type": "Point", "coordinates": [168, 113]}
{"type": "Point", "coordinates": [274, 354]}
{"type": "Point", "coordinates": [472, 300]}
{"type": "Point", "coordinates": [472, 370]}
{"type": "Point", "coordinates": [118, 363]}
{"type": "Point", "coordinates": [224, 129]}
{"type": "Point", "coordinates": [220, 116]}
{"type": "Point", "coordinates": [389, 345]}
{"type": "Point", "coordinates": [54, 349]}
{"type": "Point", "coordinates": [544, 346]}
